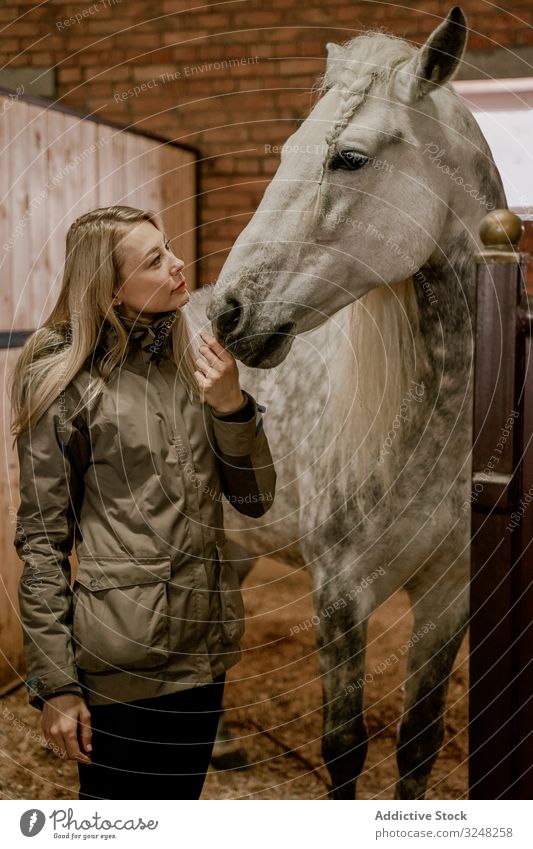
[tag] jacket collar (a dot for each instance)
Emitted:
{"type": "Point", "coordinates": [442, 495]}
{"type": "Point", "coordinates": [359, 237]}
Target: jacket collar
{"type": "Point", "coordinates": [149, 341]}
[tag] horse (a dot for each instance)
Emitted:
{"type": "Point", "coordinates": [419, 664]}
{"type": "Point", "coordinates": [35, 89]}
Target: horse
{"type": "Point", "coordinates": [348, 303]}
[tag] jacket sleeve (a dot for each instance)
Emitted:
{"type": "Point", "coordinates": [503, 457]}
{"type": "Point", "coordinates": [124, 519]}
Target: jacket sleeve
{"type": "Point", "coordinates": [247, 472]}
{"type": "Point", "coordinates": [52, 457]}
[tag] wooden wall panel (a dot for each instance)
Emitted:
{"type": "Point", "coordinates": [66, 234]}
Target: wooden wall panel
{"type": "Point", "coordinates": [6, 180]}
{"type": "Point", "coordinates": [113, 167]}
{"type": "Point", "coordinates": [54, 167]}
{"type": "Point", "coordinates": [11, 652]}
{"type": "Point", "coordinates": [178, 200]}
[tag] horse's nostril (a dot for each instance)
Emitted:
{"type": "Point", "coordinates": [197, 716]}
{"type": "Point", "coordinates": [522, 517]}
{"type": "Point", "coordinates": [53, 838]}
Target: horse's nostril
{"type": "Point", "coordinates": [228, 320]}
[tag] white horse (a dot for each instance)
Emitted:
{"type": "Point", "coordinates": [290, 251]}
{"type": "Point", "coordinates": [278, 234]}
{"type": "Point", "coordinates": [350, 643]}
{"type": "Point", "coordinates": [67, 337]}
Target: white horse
{"type": "Point", "coordinates": [353, 284]}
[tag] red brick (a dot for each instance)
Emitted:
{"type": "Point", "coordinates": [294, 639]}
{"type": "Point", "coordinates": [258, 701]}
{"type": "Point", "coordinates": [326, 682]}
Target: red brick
{"type": "Point", "coordinates": [103, 58]}
{"type": "Point", "coordinates": [135, 40]}
{"type": "Point", "coordinates": [257, 18]}
{"type": "Point", "coordinates": [101, 88]}
{"type": "Point", "coordinates": [23, 29]}
{"type": "Point", "coordinates": [287, 34]}
{"type": "Point", "coordinates": [19, 59]}
{"type": "Point", "coordinates": [97, 25]}
{"type": "Point", "coordinates": [225, 110]}
{"type": "Point", "coordinates": [9, 14]}
{"type": "Point", "coordinates": [101, 104]}
{"type": "Point", "coordinates": [163, 56]}
{"type": "Point", "coordinates": [118, 74]}
{"type": "Point", "coordinates": [225, 182]}
{"type": "Point", "coordinates": [43, 58]}
{"type": "Point", "coordinates": [68, 75]}
{"type": "Point", "coordinates": [246, 166]}
{"type": "Point", "coordinates": [214, 203]}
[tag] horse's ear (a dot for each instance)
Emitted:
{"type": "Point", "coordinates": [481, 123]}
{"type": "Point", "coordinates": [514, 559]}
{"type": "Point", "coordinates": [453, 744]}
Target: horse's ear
{"type": "Point", "coordinates": [335, 54]}
{"type": "Point", "coordinates": [436, 61]}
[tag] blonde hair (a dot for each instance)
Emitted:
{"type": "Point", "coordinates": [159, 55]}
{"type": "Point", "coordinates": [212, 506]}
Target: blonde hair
{"type": "Point", "coordinates": [56, 351]}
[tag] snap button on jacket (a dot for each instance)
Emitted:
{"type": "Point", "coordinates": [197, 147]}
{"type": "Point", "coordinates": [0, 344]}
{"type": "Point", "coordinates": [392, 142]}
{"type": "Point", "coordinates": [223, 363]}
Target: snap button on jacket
{"type": "Point", "coordinates": [135, 484]}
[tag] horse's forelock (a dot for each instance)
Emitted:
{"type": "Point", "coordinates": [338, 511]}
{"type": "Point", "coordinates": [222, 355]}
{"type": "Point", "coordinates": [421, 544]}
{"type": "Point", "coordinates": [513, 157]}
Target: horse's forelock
{"type": "Point", "coordinates": [367, 60]}
{"type": "Point", "coordinates": [373, 54]}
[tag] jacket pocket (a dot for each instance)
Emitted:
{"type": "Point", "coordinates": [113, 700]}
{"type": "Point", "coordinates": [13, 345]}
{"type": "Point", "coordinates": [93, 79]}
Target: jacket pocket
{"type": "Point", "coordinates": [231, 604]}
{"type": "Point", "coordinates": [120, 613]}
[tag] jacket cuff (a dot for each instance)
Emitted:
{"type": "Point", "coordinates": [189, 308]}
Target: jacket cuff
{"type": "Point", "coordinates": [41, 686]}
{"type": "Point", "coordinates": [243, 413]}
{"type": "Point", "coordinates": [236, 438]}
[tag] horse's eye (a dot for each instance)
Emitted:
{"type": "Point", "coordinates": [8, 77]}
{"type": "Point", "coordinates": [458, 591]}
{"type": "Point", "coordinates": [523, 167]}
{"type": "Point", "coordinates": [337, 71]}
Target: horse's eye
{"type": "Point", "coordinates": [348, 160]}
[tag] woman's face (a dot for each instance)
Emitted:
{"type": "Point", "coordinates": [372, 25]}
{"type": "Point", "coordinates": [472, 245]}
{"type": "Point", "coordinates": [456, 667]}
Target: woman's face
{"type": "Point", "coordinates": [151, 276]}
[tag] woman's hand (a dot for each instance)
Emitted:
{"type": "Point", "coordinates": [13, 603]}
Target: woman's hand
{"type": "Point", "coordinates": [217, 376]}
{"type": "Point", "coordinates": [61, 716]}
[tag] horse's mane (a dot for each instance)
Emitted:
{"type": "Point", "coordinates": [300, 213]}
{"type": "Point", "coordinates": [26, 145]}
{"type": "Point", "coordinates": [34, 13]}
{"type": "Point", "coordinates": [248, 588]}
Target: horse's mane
{"type": "Point", "coordinates": [360, 64]}
{"type": "Point", "coordinates": [373, 53]}
{"type": "Point", "coordinates": [378, 356]}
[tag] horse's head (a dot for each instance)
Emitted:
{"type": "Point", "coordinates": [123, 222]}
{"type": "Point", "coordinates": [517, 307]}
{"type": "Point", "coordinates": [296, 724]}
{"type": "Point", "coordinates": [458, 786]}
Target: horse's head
{"type": "Point", "coordinates": [387, 161]}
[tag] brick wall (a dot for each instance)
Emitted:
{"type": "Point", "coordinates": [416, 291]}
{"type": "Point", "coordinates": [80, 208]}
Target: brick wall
{"type": "Point", "coordinates": [229, 78]}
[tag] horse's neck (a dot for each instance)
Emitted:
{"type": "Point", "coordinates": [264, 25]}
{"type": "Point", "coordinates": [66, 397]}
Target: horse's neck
{"type": "Point", "coordinates": [405, 351]}
{"type": "Point", "coordinates": [445, 293]}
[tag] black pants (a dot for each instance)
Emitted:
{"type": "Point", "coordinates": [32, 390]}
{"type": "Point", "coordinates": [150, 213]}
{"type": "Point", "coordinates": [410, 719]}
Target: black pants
{"type": "Point", "coordinates": [156, 748]}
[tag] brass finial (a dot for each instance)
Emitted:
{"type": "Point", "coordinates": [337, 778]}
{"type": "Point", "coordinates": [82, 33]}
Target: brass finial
{"type": "Point", "coordinates": [501, 230]}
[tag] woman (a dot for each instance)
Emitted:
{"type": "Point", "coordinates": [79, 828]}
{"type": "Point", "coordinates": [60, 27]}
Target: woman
{"type": "Point", "coordinates": [126, 441]}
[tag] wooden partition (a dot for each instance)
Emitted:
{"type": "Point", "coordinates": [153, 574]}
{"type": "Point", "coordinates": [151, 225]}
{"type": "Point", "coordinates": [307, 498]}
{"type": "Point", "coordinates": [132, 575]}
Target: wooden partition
{"type": "Point", "coordinates": [56, 164]}
{"type": "Point", "coordinates": [501, 594]}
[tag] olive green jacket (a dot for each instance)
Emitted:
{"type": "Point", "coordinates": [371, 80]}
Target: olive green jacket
{"type": "Point", "coordinates": [135, 483]}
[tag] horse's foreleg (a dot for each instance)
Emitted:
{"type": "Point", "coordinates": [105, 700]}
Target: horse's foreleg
{"type": "Point", "coordinates": [440, 621]}
{"type": "Point", "coordinates": [341, 639]}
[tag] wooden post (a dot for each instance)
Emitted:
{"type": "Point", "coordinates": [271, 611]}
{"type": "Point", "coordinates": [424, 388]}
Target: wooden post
{"type": "Point", "coordinates": [501, 631]}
